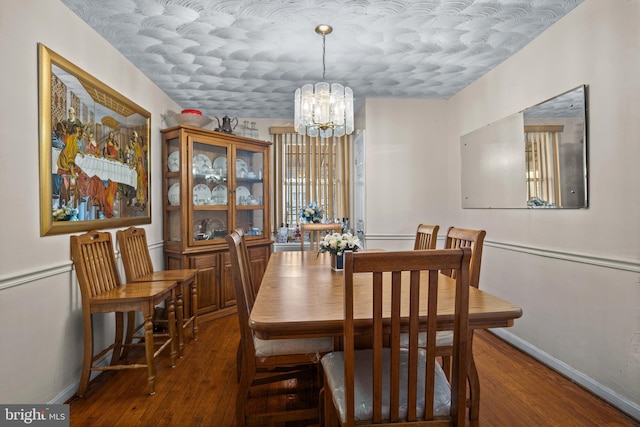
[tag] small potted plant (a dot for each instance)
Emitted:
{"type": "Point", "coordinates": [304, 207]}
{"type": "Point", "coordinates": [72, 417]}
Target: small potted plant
{"type": "Point", "coordinates": [336, 244]}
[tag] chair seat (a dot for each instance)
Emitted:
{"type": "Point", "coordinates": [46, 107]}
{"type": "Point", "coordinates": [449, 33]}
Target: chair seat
{"type": "Point", "coordinates": [443, 339]}
{"type": "Point", "coordinates": [333, 365]}
{"type": "Point", "coordinates": [178, 275]}
{"type": "Point", "coordinates": [311, 346]}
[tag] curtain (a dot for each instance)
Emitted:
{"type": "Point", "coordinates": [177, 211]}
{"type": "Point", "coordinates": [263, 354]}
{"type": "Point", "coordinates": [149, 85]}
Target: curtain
{"type": "Point", "coordinates": [310, 169]}
{"type": "Point", "coordinates": [543, 163]}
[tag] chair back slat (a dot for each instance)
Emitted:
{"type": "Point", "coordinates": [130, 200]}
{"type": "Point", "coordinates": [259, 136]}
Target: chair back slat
{"type": "Point", "coordinates": [399, 280]}
{"type": "Point", "coordinates": [467, 238]}
{"type": "Point", "coordinates": [134, 250]}
{"type": "Point", "coordinates": [426, 237]}
{"type": "Point", "coordinates": [316, 233]}
{"type": "Point", "coordinates": [94, 260]}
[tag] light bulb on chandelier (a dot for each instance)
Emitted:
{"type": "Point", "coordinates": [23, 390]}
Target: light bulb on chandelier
{"type": "Point", "coordinates": [323, 109]}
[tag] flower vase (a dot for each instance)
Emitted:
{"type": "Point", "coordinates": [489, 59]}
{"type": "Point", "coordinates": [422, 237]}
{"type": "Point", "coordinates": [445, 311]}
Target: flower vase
{"type": "Point", "coordinates": [337, 262]}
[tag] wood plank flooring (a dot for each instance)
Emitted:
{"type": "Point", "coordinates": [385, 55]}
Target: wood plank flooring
{"type": "Point", "coordinates": [200, 390]}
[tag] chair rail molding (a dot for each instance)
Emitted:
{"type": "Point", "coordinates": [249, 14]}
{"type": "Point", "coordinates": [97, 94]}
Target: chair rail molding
{"type": "Point", "coordinates": [614, 263]}
{"type": "Point", "coordinates": [42, 272]}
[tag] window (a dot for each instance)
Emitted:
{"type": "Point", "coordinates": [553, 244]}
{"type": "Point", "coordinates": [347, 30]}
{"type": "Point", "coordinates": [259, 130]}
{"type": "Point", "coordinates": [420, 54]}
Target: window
{"type": "Point", "coordinates": [543, 165]}
{"type": "Point", "coordinates": [309, 169]}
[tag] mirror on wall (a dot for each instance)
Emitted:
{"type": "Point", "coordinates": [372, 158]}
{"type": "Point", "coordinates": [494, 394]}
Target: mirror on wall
{"type": "Point", "coordinates": [536, 158]}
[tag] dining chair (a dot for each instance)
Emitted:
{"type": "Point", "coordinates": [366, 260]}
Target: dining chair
{"type": "Point", "coordinates": [102, 292]}
{"type": "Point", "coordinates": [467, 238]}
{"type": "Point", "coordinates": [474, 239]}
{"type": "Point", "coordinates": [387, 383]}
{"type": "Point", "coordinates": [138, 266]}
{"type": "Point", "coordinates": [316, 232]}
{"type": "Point", "coordinates": [458, 238]}
{"type": "Point", "coordinates": [267, 361]}
{"type": "Point", "coordinates": [426, 237]}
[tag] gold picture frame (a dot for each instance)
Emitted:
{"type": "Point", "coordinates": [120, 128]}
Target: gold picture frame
{"type": "Point", "coordinates": [94, 152]}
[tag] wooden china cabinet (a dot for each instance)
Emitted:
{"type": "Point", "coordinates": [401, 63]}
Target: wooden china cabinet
{"type": "Point", "coordinates": [214, 182]}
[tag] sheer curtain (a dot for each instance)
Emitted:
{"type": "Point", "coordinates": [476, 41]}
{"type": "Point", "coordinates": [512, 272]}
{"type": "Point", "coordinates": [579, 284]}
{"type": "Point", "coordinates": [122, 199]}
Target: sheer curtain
{"type": "Point", "coordinates": [310, 169]}
{"type": "Point", "coordinates": [543, 164]}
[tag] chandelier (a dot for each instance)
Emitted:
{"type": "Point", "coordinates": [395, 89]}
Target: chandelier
{"type": "Point", "coordinates": [323, 109]}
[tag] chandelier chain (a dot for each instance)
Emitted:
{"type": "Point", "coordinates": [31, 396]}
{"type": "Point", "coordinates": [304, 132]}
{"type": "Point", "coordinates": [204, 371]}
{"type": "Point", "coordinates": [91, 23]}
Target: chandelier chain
{"type": "Point", "coordinates": [323, 58]}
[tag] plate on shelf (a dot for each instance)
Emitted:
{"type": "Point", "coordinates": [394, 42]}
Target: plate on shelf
{"type": "Point", "coordinates": [220, 162]}
{"type": "Point", "coordinates": [173, 161]}
{"type": "Point", "coordinates": [201, 162]}
{"type": "Point", "coordinates": [219, 194]}
{"type": "Point", "coordinates": [174, 195]}
{"type": "Point", "coordinates": [201, 193]}
{"type": "Point", "coordinates": [241, 192]}
{"type": "Point", "coordinates": [241, 168]}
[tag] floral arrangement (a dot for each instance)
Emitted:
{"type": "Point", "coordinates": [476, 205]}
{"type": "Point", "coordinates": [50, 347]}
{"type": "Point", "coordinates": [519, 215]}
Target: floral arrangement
{"type": "Point", "coordinates": [312, 213]}
{"type": "Point", "coordinates": [67, 213]}
{"type": "Point", "coordinates": [337, 243]}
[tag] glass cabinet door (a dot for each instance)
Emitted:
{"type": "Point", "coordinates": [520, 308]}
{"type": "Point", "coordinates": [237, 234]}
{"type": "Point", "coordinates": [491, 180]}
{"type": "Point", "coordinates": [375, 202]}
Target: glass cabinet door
{"type": "Point", "coordinates": [171, 187]}
{"type": "Point", "coordinates": [249, 191]}
{"type": "Point", "coordinates": [209, 218]}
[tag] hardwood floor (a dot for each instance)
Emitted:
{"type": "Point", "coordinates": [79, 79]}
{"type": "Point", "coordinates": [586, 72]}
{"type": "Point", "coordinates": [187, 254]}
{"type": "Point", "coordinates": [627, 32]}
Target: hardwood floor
{"type": "Point", "coordinates": [200, 390]}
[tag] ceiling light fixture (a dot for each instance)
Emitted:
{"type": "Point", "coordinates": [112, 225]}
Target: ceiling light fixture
{"type": "Point", "coordinates": [326, 111]}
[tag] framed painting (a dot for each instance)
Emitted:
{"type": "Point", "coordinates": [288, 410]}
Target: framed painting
{"type": "Point", "coordinates": [94, 152]}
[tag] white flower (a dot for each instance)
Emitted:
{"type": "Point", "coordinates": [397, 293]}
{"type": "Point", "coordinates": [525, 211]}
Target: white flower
{"type": "Point", "coordinates": [312, 212]}
{"type": "Point", "coordinates": [337, 243]}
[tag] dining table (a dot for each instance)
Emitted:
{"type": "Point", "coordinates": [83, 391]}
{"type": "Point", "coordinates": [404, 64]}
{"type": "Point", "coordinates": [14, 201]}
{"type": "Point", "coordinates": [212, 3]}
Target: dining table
{"type": "Point", "coordinates": [300, 296]}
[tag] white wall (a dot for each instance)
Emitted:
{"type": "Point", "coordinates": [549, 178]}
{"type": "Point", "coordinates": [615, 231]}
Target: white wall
{"type": "Point", "coordinates": [576, 273]}
{"type": "Point", "coordinates": [41, 330]}
{"type": "Point", "coordinates": [405, 168]}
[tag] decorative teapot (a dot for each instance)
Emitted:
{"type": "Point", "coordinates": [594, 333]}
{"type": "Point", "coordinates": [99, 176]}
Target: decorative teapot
{"type": "Point", "coordinates": [228, 124]}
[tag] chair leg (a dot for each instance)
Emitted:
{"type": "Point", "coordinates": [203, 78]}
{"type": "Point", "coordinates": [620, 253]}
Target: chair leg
{"type": "Point", "coordinates": [239, 362]}
{"type": "Point", "coordinates": [474, 385]}
{"type": "Point", "coordinates": [149, 348]}
{"type": "Point", "coordinates": [175, 332]}
{"type": "Point", "coordinates": [117, 344]}
{"type": "Point", "coordinates": [87, 357]}
{"type": "Point", "coordinates": [194, 308]}
{"type": "Point", "coordinates": [131, 328]}
{"type": "Point", "coordinates": [330, 417]}
{"type": "Point", "coordinates": [179, 313]}
{"type": "Point", "coordinates": [241, 399]}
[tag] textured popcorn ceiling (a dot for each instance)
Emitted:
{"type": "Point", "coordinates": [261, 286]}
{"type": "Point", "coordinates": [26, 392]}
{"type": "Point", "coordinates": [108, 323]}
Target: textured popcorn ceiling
{"type": "Point", "coordinates": [246, 58]}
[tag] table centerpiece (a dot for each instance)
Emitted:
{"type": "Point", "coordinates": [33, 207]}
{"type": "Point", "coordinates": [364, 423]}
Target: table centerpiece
{"type": "Point", "coordinates": [312, 213]}
{"type": "Point", "coordinates": [336, 244]}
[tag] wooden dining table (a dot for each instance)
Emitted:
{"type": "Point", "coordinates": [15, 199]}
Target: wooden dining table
{"type": "Point", "coordinates": [300, 296]}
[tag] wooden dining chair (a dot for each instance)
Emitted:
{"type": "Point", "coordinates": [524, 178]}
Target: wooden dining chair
{"type": "Point", "coordinates": [316, 232]}
{"type": "Point", "coordinates": [102, 292]}
{"type": "Point", "coordinates": [387, 383]}
{"type": "Point", "coordinates": [467, 238]}
{"type": "Point", "coordinates": [473, 239]}
{"type": "Point", "coordinates": [426, 237]}
{"type": "Point", "coordinates": [267, 361]}
{"type": "Point", "coordinates": [138, 266]}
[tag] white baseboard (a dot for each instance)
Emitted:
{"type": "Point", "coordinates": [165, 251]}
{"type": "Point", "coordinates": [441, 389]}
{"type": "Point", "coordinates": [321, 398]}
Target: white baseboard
{"type": "Point", "coordinates": [68, 392]}
{"type": "Point", "coordinates": [620, 402]}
